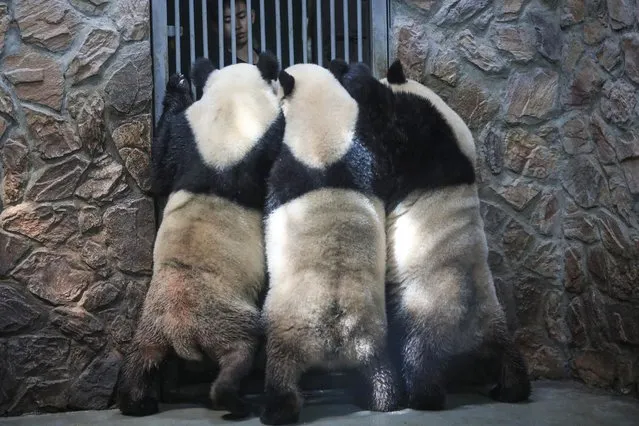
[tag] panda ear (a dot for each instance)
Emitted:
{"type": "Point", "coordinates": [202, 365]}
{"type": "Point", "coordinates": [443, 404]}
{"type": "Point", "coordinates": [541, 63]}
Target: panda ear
{"type": "Point", "coordinates": [395, 74]}
{"type": "Point", "coordinates": [287, 82]}
{"type": "Point", "coordinates": [200, 71]}
{"type": "Point", "coordinates": [268, 66]}
{"type": "Point", "coordinates": [338, 67]}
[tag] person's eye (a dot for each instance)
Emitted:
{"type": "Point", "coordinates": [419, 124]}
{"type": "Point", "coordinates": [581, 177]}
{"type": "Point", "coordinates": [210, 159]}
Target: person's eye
{"type": "Point", "coordinates": [227, 20]}
{"type": "Point", "coordinates": [241, 15]}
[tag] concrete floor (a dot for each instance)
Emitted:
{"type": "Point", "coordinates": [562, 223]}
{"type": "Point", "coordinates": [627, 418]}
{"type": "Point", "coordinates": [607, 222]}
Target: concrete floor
{"type": "Point", "coordinates": [552, 403]}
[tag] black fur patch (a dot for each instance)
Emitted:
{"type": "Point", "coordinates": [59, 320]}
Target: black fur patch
{"type": "Point", "coordinates": [395, 74]}
{"type": "Point", "coordinates": [200, 71]}
{"type": "Point", "coordinates": [290, 179]}
{"type": "Point", "coordinates": [287, 81]}
{"type": "Point", "coordinates": [268, 65]}
{"type": "Point", "coordinates": [243, 183]}
{"type": "Point", "coordinates": [414, 145]}
{"type": "Point", "coordinates": [177, 98]}
{"type": "Point", "coordinates": [338, 67]}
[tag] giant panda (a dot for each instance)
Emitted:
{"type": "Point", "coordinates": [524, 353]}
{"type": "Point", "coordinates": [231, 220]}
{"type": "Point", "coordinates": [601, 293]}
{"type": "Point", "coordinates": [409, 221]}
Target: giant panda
{"type": "Point", "coordinates": [325, 249]}
{"type": "Point", "coordinates": [212, 159]}
{"type": "Point", "coordinates": [442, 305]}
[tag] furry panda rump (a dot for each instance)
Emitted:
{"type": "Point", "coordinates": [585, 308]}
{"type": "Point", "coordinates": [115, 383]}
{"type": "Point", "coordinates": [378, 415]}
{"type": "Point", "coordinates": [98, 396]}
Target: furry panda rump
{"type": "Point", "coordinates": [209, 268]}
{"type": "Point", "coordinates": [325, 305]}
{"type": "Point", "coordinates": [325, 245]}
{"type": "Point", "coordinates": [441, 290]}
{"type": "Point", "coordinates": [324, 251]}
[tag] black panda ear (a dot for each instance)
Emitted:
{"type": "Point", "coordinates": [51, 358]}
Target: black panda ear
{"type": "Point", "coordinates": [338, 67]}
{"type": "Point", "coordinates": [200, 71]}
{"type": "Point", "coordinates": [268, 65]}
{"type": "Point", "coordinates": [395, 74]}
{"type": "Point", "coordinates": [287, 82]}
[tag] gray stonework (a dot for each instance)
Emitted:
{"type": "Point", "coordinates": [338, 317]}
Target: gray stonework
{"type": "Point", "coordinates": [76, 227]}
{"type": "Point", "coordinates": [550, 90]}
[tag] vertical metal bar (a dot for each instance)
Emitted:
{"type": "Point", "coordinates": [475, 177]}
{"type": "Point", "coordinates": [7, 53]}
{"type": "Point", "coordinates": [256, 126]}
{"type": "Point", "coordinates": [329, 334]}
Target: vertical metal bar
{"type": "Point", "coordinates": [332, 17]}
{"type": "Point", "coordinates": [347, 38]}
{"type": "Point", "coordinates": [360, 49]}
{"type": "Point", "coordinates": [379, 20]}
{"type": "Point", "coordinates": [291, 48]}
{"type": "Point", "coordinates": [205, 29]}
{"type": "Point", "coordinates": [178, 36]}
{"type": "Point", "coordinates": [192, 38]}
{"type": "Point", "coordinates": [278, 30]}
{"type": "Point", "coordinates": [262, 27]}
{"type": "Point", "coordinates": [318, 23]}
{"type": "Point", "coordinates": [160, 53]}
{"type": "Point", "coordinates": [192, 30]}
{"type": "Point", "coordinates": [250, 31]}
{"type": "Point", "coordinates": [220, 33]}
{"type": "Point", "coordinates": [233, 33]}
{"type": "Point", "coordinates": [304, 32]}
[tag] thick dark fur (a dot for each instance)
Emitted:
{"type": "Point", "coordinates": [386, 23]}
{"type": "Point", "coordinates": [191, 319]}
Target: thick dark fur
{"type": "Point", "coordinates": [203, 296]}
{"type": "Point", "coordinates": [419, 152]}
{"type": "Point", "coordinates": [179, 166]}
{"type": "Point", "coordinates": [289, 352]}
{"type": "Point", "coordinates": [388, 126]}
{"type": "Point", "coordinates": [177, 98]}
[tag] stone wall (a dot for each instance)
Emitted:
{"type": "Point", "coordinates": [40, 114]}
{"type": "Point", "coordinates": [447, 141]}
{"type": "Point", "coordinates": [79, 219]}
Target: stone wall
{"type": "Point", "coordinates": [550, 89]}
{"type": "Point", "coordinates": [76, 229]}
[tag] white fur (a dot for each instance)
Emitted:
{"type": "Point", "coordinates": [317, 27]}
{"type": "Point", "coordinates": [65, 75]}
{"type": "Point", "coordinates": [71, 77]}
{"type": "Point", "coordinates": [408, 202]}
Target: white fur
{"type": "Point", "coordinates": [324, 247]}
{"type": "Point", "coordinates": [460, 129]}
{"type": "Point", "coordinates": [320, 116]}
{"type": "Point", "coordinates": [437, 251]}
{"type": "Point", "coordinates": [236, 109]}
{"type": "Point", "coordinates": [437, 255]}
{"type": "Point", "coordinates": [206, 230]}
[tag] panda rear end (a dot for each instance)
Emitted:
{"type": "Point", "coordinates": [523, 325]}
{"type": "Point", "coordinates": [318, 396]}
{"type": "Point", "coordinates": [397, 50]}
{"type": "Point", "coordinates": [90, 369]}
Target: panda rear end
{"type": "Point", "coordinates": [209, 263]}
{"type": "Point", "coordinates": [442, 306]}
{"type": "Point", "coordinates": [325, 245]}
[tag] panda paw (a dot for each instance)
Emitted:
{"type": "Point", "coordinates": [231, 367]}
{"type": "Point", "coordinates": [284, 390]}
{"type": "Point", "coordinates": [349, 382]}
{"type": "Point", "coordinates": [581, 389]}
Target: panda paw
{"type": "Point", "coordinates": [177, 82]}
{"type": "Point", "coordinates": [231, 401]}
{"type": "Point", "coordinates": [281, 409]}
{"type": "Point", "coordinates": [516, 393]}
{"type": "Point", "coordinates": [430, 398]}
{"type": "Point", "coordinates": [144, 407]}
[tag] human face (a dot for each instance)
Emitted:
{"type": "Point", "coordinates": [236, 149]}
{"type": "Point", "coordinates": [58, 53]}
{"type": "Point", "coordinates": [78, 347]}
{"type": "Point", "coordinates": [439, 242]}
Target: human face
{"type": "Point", "coordinates": [241, 23]}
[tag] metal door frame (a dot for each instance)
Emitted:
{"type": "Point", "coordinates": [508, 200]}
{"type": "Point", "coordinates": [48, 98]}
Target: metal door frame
{"type": "Point", "coordinates": [379, 45]}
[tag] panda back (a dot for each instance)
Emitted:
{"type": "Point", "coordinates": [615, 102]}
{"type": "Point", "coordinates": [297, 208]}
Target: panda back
{"type": "Point", "coordinates": [242, 182]}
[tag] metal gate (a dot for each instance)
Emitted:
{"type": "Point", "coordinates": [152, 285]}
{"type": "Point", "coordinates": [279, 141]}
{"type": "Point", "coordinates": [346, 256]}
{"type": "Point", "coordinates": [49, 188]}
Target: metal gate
{"type": "Point", "coordinates": [295, 30]}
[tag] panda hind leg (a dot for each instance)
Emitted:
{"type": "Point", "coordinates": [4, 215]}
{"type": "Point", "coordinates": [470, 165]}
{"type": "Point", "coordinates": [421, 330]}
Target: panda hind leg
{"type": "Point", "coordinates": [513, 382]}
{"type": "Point", "coordinates": [235, 365]}
{"type": "Point", "coordinates": [138, 376]}
{"type": "Point", "coordinates": [379, 389]}
{"type": "Point", "coordinates": [283, 397]}
{"type": "Point", "coordinates": [424, 371]}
